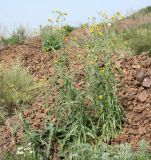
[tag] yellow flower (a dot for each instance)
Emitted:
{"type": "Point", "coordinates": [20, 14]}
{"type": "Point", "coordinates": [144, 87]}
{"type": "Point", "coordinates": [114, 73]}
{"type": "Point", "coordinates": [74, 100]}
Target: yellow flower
{"type": "Point", "coordinates": [49, 20]}
{"type": "Point", "coordinates": [101, 97]}
{"type": "Point", "coordinates": [100, 34]}
{"type": "Point", "coordinates": [91, 62]}
{"type": "Point", "coordinates": [79, 55]}
{"type": "Point", "coordinates": [101, 70]}
{"type": "Point", "coordinates": [113, 18]}
{"type": "Point", "coordinates": [55, 61]}
{"type": "Point", "coordinates": [57, 20]}
{"type": "Point", "coordinates": [84, 26]}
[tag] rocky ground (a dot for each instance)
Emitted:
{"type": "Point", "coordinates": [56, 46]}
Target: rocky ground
{"type": "Point", "coordinates": [135, 97]}
{"type": "Point", "coordinates": [134, 91]}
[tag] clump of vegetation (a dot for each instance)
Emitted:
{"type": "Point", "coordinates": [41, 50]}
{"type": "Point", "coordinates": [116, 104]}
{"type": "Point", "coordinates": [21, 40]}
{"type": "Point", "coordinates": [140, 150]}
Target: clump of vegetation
{"type": "Point", "coordinates": [53, 35]}
{"type": "Point", "coordinates": [18, 37]}
{"type": "Point", "coordinates": [85, 116]}
{"type": "Point", "coordinates": [139, 40]}
{"type": "Point", "coordinates": [25, 152]}
{"type": "Point", "coordinates": [52, 38]}
{"type": "Point", "coordinates": [17, 86]}
{"type": "Point", "coordinates": [82, 151]}
{"type": "Point", "coordinates": [82, 121]}
{"type": "Point", "coordinates": [105, 152]}
{"type": "Point", "coordinates": [142, 12]}
{"type": "Point", "coordinates": [67, 29]}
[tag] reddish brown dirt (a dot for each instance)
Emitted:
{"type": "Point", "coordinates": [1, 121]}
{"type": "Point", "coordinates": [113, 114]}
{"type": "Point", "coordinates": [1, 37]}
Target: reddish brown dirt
{"type": "Point", "coordinates": [135, 97]}
{"type": "Point", "coordinates": [133, 22]}
{"type": "Point", "coordinates": [41, 66]}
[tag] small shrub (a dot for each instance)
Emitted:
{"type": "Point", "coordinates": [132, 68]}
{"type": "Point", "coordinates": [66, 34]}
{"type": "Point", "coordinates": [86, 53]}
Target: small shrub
{"type": "Point", "coordinates": [105, 152]}
{"type": "Point", "coordinates": [52, 38]}
{"type": "Point", "coordinates": [142, 12]}
{"type": "Point", "coordinates": [18, 37]}
{"type": "Point", "coordinates": [139, 40]}
{"type": "Point", "coordinates": [16, 86]}
{"type": "Point", "coordinates": [67, 29]}
{"type": "Point", "coordinates": [25, 152]}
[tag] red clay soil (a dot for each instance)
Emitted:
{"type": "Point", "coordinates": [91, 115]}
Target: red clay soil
{"type": "Point", "coordinates": [41, 66]}
{"type": "Point", "coordinates": [134, 91]}
{"type": "Point", "coordinates": [135, 97]}
{"type": "Point", "coordinates": [129, 23]}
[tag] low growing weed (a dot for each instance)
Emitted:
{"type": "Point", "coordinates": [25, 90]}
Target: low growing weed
{"type": "Point", "coordinates": [139, 40]}
{"type": "Point", "coordinates": [17, 86]}
{"type": "Point", "coordinates": [52, 38]}
{"type": "Point", "coordinates": [53, 35]}
{"type": "Point", "coordinates": [81, 120]}
{"type": "Point", "coordinates": [18, 37]}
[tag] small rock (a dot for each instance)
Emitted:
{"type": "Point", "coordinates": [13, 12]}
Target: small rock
{"type": "Point", "coordinates": [139, 109]}
{"type": "Point", "coordinates": [136, 66]}
{"type": "Point", "coordinates": [146, 82]}
{"type": "Point", "coordinates": [149, 71]}
{"type": "Point", "coordinates": [142, 130]}
{"type": "Point", "coordinates": [140, 75]}
{"type": "Point", "coordinates": [60, 82]}
{"type": "Point", "coordinates": [133, 131]}
{"type": "Point", "coordinates": [125, 72]}
{"type": "Point", "coordinates": [142, 97]}
{"type": "Point", "coordinates": [2, 47]}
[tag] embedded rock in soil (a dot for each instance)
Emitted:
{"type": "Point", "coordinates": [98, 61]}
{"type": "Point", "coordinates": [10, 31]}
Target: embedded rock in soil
{"type": "Point", "coordinates": [146, 83]}
{"type": "Point", "coordinates": [140, 75]}
{"type": "Point", "coordinates": [142, 96]}
{"type": "Point", "coordinates": [135, 97]}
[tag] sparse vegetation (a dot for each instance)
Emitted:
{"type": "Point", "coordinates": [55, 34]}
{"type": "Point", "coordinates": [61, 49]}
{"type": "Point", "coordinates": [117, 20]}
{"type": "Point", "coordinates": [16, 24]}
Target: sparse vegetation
{"type": "Point", "coordinates": [17, 86]}
{"type": "Point", "coordinates": [85, 114]}
{"type": "Point", "coordinates": [67, 29]}
{"type": "Point", "coordinates": [139, 40]}
{"type": "Point", "coordinates": [53, 39]}
{"type": "Point", "coordinates": [18, 37]}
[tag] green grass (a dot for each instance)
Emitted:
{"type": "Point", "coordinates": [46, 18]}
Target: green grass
{"type": "Point", "coordinates": [142, 12]}
{"type": "Point", "coordinates": [81, 122]}
{"type": "Point", "coordinates": [67, 29]}
{"type": "Point", "coordinates": [17, 37]}
{"type": "Point", "coordinates": [53, 39]}
{"type": "Point", "coordinates": [17, 87]}
{"type": "Point", "coordinates": [139, 39]}
{"type": "Point", "coordinates": [101, 151]}
{"type": "Point", "coordinates": [78, 122]}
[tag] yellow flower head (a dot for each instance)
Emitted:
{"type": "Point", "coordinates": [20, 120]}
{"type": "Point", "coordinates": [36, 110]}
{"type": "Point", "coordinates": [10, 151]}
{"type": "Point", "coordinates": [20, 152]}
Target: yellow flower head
{"type": "Point", "coordinates": [100, 97]}
{"type": "Point", "coordinates": [79, 55]}
{"type": "Point", "coordinates": [11, 85]}
{"type": "Point", "coordinates": [84, 26]}
{"type": "Point", "coordinates": [49, 20]}
{"type": "Point", "coordinates": [101, 70]}
{"type": "Point", "coordinates": [100, 34]}
{"type": "Point", "coordinates": [55, 61]}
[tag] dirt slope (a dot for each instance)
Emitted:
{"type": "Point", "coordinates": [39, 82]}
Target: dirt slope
{"type": "Point", "coordinates": [134, 90]}
{"type": "Point", "coordinates": [135, 97]}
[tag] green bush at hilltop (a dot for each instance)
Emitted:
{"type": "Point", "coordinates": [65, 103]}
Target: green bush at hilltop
{"type": "Point", "coordinates": [139, 40]}
{"type": "Point", "coordinates": [83, 113]}
{"type": "Point", "coordinates": [53, 38]}
{"type": "Point", "coordinates": [17, 37]}
{"type": "Point", "coordinates": [67, 29]}
{"type": "Point", "coordinates": [141, 12]}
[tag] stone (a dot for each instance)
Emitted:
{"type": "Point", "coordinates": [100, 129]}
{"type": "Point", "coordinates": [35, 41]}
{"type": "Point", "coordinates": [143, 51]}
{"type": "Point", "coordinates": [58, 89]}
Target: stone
{"type": "Point", "coordinates": [146, 82]}
{"type": "Point", "coordinates": [140, 75]}
{"type": "Point", "coordinates": [136, 66]}
{"type": "Point", "coordinates": [142, 130]}
{"type": "Point", "coordinates": [142, 97]}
